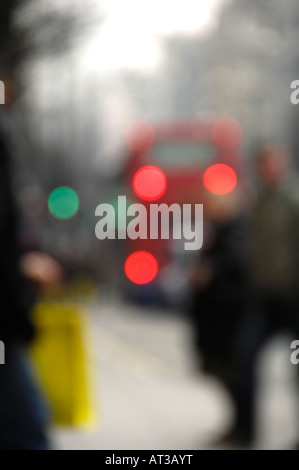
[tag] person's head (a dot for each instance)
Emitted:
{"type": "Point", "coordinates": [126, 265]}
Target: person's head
{"type": "Point", "coordinates": [223, 208]}
{"type": "Point", "coordinates": [273, 164]}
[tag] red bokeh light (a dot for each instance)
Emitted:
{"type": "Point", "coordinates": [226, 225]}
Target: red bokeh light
{"type": "Point", "coordinates": [227, 133]}
{"type": "Point", "coordinates": [149, 183]}
{"type": "Point", "coordinates": [141, 137]}
{"type": "Point", "coordinates": [220, 179]}
{"type": "Point", "coordinates": [141, 267]}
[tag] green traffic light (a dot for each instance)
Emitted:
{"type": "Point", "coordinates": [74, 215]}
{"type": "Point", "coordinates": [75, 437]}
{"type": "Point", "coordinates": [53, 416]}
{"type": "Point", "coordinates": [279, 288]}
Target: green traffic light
{"type": "Point", "coordinates": [63, 203]}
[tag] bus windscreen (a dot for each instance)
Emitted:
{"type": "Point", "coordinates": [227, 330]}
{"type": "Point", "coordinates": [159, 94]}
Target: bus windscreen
{"type": "Point", "coordinates": [182, 154]}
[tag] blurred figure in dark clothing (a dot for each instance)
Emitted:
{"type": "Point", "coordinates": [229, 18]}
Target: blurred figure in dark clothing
{"type": "Point", "coordinates": [219, 288]}
{"type": "Point", "coordinates": [274, 273]}
{"type": "Point", "coordinates": [22, 412]}
{"type": "Point", "coordinates": [14, 294]}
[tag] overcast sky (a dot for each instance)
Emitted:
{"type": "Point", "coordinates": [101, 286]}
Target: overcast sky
{"type": "Point", "coordinates": [132, 30]}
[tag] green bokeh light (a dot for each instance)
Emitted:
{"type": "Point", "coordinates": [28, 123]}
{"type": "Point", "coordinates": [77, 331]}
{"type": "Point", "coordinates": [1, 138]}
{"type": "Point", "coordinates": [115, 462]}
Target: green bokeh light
{"type": "Point", "coordinates": [63, 203]}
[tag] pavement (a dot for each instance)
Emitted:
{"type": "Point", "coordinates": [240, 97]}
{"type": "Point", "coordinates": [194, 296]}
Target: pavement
{"type": "Point", "coordinates": [151, 396]}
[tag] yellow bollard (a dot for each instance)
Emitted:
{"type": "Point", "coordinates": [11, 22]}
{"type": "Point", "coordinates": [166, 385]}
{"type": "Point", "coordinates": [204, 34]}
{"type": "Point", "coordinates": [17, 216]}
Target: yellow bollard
{"type": "Point", "coordinates": [59, 356]}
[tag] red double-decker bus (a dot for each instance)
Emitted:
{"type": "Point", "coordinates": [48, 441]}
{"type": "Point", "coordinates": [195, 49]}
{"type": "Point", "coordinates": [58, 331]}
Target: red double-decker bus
{"type": "Point", "coordinates": [176, 163]}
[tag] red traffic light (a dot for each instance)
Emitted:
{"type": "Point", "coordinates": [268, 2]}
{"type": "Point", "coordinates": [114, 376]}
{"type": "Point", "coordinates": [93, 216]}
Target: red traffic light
{"type": "Point", "coordinates": [220, 179]}
{"type": "Point", "coordinates": [149, 183]}
{"type": "Point", "coordinates": [141, 267]}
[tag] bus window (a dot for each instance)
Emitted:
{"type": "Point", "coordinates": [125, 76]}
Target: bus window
{"type": "Point", "coordinates": [183, 154]}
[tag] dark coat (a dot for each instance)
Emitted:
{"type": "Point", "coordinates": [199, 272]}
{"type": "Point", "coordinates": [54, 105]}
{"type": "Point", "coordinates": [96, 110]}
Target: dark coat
{"type": "Point", "coordinates": [16, 298]}
{"type": "Point", "coordinates": [219, 306]}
